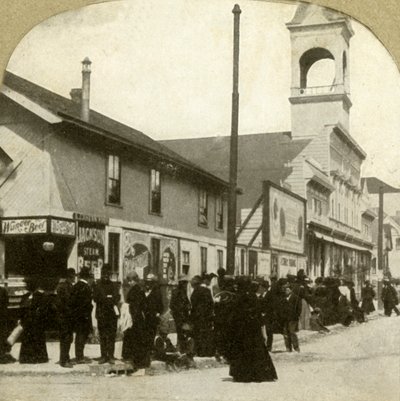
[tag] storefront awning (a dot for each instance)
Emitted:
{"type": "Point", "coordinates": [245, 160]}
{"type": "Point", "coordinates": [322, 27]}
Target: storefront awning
{"type": "Point", "coordinates": [336, 241]}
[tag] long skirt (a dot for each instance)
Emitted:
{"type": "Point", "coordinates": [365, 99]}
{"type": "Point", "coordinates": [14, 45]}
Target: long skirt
{"type": "Point", "coordinates": [33, 345]}
{"type": "Point", "coordinates": [253, 366]}
{"type": "Point", "coordinates": [134, 347]}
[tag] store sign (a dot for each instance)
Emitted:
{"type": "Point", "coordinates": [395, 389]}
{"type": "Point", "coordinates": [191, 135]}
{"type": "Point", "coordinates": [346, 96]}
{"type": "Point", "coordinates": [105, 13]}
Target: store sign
{"type": "Point", "coordinates": [63, 227]}
{"type": "Point", "coordinates": [91, 239]}
{"type": "Point", "coordinates": [287, 264]}
{"type": "Point", "coordinates": [24, 226]}
{"type": "Point", "coordinates": [286, 221]}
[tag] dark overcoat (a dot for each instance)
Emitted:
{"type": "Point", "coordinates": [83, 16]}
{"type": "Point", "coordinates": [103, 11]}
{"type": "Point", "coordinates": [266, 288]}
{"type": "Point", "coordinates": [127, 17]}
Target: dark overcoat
{"type": "Point", "coordinates": [34, 321]}
{"type": "Point", "coordinates": [81, 307]}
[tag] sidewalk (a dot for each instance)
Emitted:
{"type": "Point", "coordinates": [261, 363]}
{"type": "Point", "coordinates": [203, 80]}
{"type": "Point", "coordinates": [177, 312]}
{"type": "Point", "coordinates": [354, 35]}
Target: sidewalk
{"type": "Point", "coordinates": [93, 351]}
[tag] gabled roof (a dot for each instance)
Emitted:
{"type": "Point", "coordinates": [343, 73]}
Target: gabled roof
{"type": "Point", "coordinates": [266, 153]}
{"type": "Point", "coordinates": [374, 184]}
{"type": "Point", "coordinates": [260, 157]}
{"type": "Point", "coordinates": [69, 111]}
{"type": "Point", "coordinates": [314, 15]}
{"type": "Point", "coordinates": [312, 12]}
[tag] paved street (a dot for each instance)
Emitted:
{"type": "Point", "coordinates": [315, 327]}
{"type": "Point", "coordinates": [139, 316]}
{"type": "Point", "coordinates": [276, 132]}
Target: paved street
{"type": "Point", "coordinates": [358, 363]}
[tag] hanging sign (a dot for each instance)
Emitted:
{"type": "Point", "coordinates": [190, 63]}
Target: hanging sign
{"type": "Point", "coordinates": [63, 227]}
{"type": "Point", "coordinates": [91, 239]}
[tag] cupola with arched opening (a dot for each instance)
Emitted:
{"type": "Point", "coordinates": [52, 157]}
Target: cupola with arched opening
{"type": "Point", "coordinates": [320, 87]}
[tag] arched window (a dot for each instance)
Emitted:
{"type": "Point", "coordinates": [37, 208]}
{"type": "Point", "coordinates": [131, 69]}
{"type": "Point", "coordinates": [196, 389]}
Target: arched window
{"type": "Point", "coordinates": [317, 68]}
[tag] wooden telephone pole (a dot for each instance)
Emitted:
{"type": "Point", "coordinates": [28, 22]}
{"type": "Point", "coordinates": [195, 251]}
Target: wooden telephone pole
{"type": "Point", "coordinates": [231, 235]}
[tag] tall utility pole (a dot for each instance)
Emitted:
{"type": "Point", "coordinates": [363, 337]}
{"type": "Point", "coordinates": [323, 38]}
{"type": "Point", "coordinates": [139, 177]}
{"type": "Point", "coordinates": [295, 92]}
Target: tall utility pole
{"type": "Point", "coordinates": [230, 255]}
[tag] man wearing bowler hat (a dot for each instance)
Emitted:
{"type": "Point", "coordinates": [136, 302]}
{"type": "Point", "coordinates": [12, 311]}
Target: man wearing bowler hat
{"type": "Point", "coordinates": [154, 309]}
{"type": "Point", "coordinates": [106, 297]}
{"type": "Point", "coordinates": [81, 311]}
{"type": "Point", "coordinates": [65, 318]}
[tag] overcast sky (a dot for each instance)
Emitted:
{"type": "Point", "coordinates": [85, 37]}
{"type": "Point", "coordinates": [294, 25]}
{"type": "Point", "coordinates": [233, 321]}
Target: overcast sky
{"type": "Point", "coordinates": [165, 68]}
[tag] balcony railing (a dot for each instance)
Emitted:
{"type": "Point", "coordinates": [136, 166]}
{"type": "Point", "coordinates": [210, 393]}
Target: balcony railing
{"type": "Point", "coordinates": [318, 90]}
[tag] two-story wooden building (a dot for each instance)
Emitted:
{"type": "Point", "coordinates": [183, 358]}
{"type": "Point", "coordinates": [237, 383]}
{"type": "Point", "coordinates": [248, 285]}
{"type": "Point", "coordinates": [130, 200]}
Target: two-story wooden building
{"type": "Point", "coordinates": [79, 189]}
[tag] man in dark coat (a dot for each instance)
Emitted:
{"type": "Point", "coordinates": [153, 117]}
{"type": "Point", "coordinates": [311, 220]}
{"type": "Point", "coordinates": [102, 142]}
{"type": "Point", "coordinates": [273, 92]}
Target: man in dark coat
{"type": "Point", "coordinates": [291, 309]}
{"type": "Point", "coordinates": [81, 310]}
{"type": "Point", "coordinates": [64, 289]}
{"type": "Point", "coordinates": [106, 297]}
{"type": "Point", "coordinates": [137, 348]}
{"type": "Point", "coordinates": [367, 297]}
{"type": "Point", "coordinates": [154, 309]}
{"type": "Point", "coordinates": [202, 316]}
{"type": "Point", "coordinates": [268, 303]}
{"type": "Point", "coordinates": [389, 298]}
{"type": "Point", "coordinates": [180, 310]}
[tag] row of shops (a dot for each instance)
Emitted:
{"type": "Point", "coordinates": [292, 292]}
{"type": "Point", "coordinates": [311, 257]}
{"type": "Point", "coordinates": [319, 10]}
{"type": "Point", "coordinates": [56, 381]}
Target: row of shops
{"type": "Point", "coordinates": [46, 246]}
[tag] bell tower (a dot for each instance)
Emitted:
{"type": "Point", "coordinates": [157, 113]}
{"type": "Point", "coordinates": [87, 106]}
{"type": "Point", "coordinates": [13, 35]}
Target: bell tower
{"type": "Point", "coordinates": [320, 89]}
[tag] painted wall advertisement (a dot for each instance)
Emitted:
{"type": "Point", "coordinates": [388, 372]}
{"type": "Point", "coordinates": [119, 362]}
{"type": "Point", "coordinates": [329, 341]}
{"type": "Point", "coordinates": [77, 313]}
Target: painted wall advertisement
{"type": "Point", "coordinates": [286, 221]}
{"type": "Point", "coordinates": [169, 251]}
{"type": "Point", "coordinates": [136, 257]}
{"type": "Point", "coordinates": [264, 263]}
{"type": "Point", "coordinates": [91, 239]}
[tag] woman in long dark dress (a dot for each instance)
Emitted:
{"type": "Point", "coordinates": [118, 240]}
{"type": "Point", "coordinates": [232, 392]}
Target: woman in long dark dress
{"type": "Point", "coordinates": [34, 322]}
{"type": "Point", "coordinates": [248, 357]}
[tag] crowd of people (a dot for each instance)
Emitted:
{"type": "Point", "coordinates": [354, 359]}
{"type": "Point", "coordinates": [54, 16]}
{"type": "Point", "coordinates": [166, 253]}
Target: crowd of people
{"type": "Point", "coordinates": [233, 319]}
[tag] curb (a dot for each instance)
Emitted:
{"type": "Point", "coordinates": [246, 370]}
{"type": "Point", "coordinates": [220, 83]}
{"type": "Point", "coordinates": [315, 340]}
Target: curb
{"type": "Point", "coordinates": [157, 367]}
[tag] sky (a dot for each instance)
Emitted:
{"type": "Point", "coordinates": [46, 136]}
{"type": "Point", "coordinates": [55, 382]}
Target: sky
{"type": "Point", "coordinates": [165, 68]}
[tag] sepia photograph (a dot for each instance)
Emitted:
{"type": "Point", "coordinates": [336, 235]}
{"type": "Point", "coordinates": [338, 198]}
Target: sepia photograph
{"type": "Point", "coordinates": [199, 200]}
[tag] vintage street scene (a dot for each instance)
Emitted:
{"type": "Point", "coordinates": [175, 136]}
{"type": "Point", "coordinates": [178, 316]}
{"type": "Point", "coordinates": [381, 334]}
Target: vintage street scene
{"type": "Point", "coordinates": [200, 201]}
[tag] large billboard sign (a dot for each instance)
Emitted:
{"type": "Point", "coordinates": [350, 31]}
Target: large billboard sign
{"type": "Point", "coordinates": [284, 220]}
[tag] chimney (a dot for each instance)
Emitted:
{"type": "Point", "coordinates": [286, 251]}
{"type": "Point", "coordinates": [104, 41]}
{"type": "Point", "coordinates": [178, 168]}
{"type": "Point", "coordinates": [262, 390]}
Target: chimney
{"type": "Point", "coordinates": [76, 95]}
{"type": "Point", "coordinates": [85, 102]}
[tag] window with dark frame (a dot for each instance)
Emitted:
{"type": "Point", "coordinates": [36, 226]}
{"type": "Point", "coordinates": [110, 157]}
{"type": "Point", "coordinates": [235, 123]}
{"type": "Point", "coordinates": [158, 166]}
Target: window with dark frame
{"type": "Point", "coordinates": [203, 208]}
{"type": "Point", "coordinates": [203, 259]}
{"type": "Point", "coordinates": [114, 180]}
{"type": "Point", "coordinates": [155, 192]}
{"type": "Point", "coordinates": [219, 213]}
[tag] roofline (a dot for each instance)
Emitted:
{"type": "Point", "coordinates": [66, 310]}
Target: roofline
{"type": "Point", "coordinates": [289, 133]}
{"type": "Point", "coordinates": [86, 125]}
{"type": "Point", "coordinates": [338, 128]}
{"type": "Point", "coordinates": [29, 104]}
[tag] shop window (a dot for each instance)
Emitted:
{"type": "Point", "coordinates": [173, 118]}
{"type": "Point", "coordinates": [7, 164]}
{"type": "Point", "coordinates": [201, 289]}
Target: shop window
{"type": "Point", "coordinates": [203, 259]}
{"type": "Point", "coordinates": [219, 213]}
{"type": "Point", "coordinates": [155, 192]}
{"type": "Point", "coordinates": [114, 180]}
{"type": "Point", "coordinates": [185, 262]}
{"type": "Point", "coordinates": [203, 208]}
{"type": "Point", "coordinates": [220, 257]}
{"type": "Point", "coordinates": [113, 254]}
